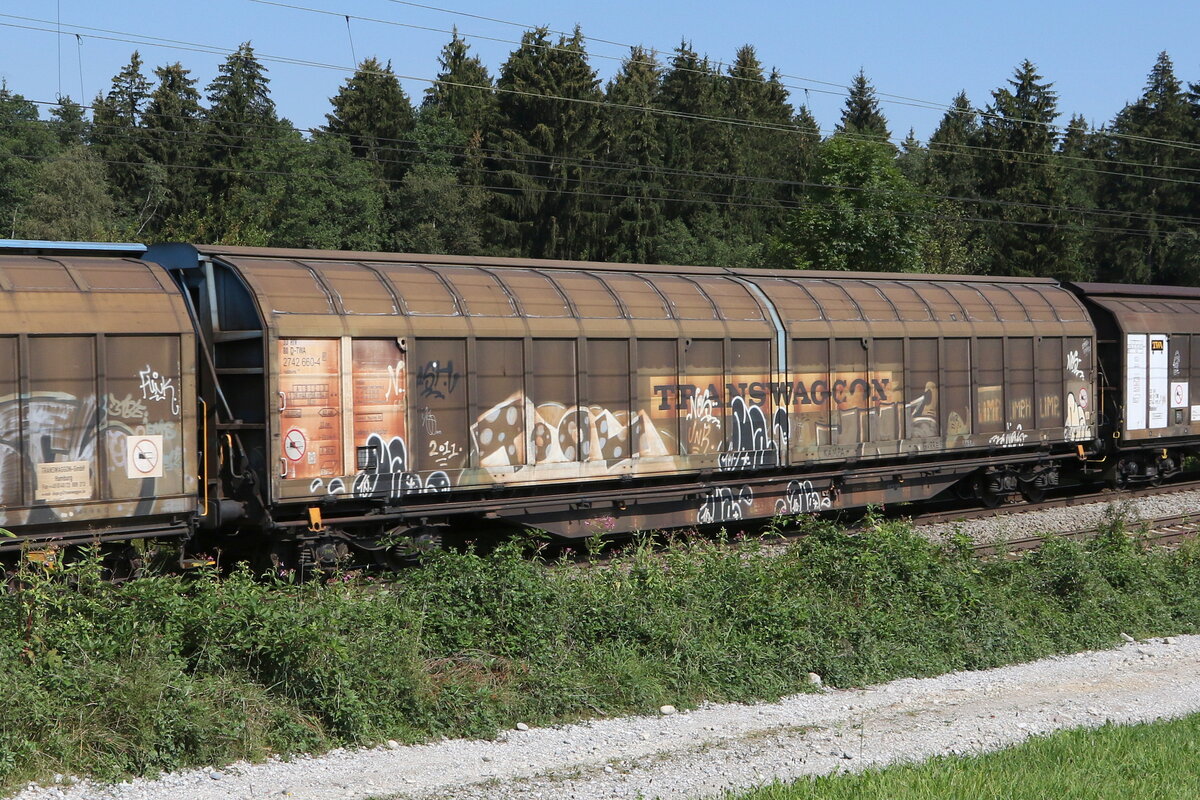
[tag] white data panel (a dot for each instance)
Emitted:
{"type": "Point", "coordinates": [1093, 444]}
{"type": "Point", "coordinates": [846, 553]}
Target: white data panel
{"type": "Point", "coordinates": [1158, 392]}
{"type": "Point", "coordinates": [1135, 382]}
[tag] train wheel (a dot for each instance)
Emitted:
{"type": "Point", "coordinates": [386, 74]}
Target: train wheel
{"type": "Point", "coordinates": [412, 543]}
{"type": "Point", "coordinates": [123, 563]}
{"type": "Point", "coordinates": [1033, 493]}
{"type": "Point", "coordinates": [988, 491]}
{"type": "Point", "coordinates": [1118, 475]}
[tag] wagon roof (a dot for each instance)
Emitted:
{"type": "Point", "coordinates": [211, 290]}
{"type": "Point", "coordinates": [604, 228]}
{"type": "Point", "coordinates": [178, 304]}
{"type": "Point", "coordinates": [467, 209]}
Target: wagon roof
{"type": "Point", "coordinates": [66, 293]}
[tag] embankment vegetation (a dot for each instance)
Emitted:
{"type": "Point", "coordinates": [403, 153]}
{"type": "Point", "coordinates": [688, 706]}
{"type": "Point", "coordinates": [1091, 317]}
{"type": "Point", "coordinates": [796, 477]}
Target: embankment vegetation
{"type": "Point", "coordinates": [168, 671]}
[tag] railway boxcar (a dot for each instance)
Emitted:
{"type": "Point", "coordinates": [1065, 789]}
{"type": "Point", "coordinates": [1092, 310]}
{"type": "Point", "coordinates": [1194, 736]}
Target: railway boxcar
{"type": "Point", "coordinates": [356, 395]}
{"type": "Point", "coordinates": [1149, 344]}
{"type": "Point", "coordinates": [97, 397]}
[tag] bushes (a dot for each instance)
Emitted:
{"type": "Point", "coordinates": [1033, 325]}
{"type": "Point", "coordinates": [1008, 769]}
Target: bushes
{"type": "Point", "coordinates": [167, 671]}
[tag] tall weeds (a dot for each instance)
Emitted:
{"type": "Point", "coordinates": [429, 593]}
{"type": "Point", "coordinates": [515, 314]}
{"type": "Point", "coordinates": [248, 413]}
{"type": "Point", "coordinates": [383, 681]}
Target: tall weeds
{"type": "Point", "coordinates": [169, 671]}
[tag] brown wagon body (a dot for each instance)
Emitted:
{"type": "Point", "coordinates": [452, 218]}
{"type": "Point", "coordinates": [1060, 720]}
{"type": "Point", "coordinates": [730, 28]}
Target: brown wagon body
{"type": "Point", "coordinates": [377, 392]}
{"type": "Point", "coordinates": [97, 400]}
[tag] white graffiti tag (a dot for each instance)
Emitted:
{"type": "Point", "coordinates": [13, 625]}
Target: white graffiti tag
{"type": "Point", "coordinates": [803, 498]}
{"type": "Point", "coordinates": [395, 381]}
{"type": "Point", "coordinates": [1073, 364]}
{"type": "Point", "coordinates": [158, 387]}
{"type": "Point", "coordinates": [1012, 437]}
{"type": "Point", "coordinates": [725, 504]}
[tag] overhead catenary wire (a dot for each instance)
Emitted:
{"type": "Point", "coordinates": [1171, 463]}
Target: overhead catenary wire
{"type": "Point", "coordinates": [787, 127]}
{"type": "Point", "coordinates": [717, 198]}
{"type": "Point", "coordinates": [217, 50]}
{"type": "Point", "coordinates": [891, 98]}
{"type": "Point", "coordinates": [159, 41]}
{"type": "Point", "coordinates": [778, 127]}
{"type": "Point", "coordinates": [413, 146]}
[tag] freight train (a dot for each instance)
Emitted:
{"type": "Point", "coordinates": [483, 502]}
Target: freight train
{"type": "Point", "coordinates": [319, 406]}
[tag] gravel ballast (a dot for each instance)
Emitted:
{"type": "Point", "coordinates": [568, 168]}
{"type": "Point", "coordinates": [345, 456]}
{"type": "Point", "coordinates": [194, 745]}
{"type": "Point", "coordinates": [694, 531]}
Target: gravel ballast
{"type": "Point", "coordinates": [1010, 522]}
{"type": "Point", "coordinates": [699, 753]}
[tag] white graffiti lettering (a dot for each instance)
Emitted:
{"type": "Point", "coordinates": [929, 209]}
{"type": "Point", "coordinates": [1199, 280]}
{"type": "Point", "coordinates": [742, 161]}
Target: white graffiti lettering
{"type": "Point", "coordinates": [704, 427]}
{"type": "Point", "coordinates": [803, 498]}
{"type": "Point", "coordinates": [129, 408]}
{"type": "Point", "coordinates": [1073, 364]}
{"type": "Point", "coordinates": [725, 504]}
{"type": "Point", "coordinates": [1012, 437]}
{"type": "Point", "coordinates": [386, 476]}
{"type": "Point", "coordinates": [395, 381]}
{"type": "Point", "coordinates": [156, 387]}
{"type": "Point", "coordinates": [1077, 428]}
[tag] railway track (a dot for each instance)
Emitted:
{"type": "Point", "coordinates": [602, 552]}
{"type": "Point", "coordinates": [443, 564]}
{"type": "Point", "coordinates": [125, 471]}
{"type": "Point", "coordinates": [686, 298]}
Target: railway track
{"type": "Point", "coordinates": [1159, 531]}
{"type": "Point", "coordinates": [1021, 507]}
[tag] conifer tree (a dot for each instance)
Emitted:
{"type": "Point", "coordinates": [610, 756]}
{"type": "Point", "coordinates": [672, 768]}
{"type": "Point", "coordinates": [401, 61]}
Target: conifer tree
{"type": "Point", "coordinates": [242, 135]}
{"type": "Point", "coordinates": [70, 126]}
{"type": "Point", "coordinates": [1148, 243]}
{"type": "Point", "coordinates": [861, 115]}
{"type": "Point", "coordinates": [463, 95]}
{"type": "Point", "coordinates": [630, 140]}
{"type": "Point", "coordinates": [546, 138]}
{"type": "Point", "coordinates": [1030, 234]}
{"type": "Point", "coordinates": [913, 158]}
{"type": "Point", "coordinates": [952, 149]}
{"type": "Point", "coordinates": [433, 209]}
{"type": "Point", "coordinates": [695, 147]}
{"type": "Point", "coordinates": [373, 113]}
{"type": "Point", "coordinates": [805, 143]}
{"type": "Point", "coordinates": [760, 143]}
{"type": "Point", "coordinates": [463, 91]}
{"type": "Point", "coordinates": [117, 140]}
{"type": "Point", "coordinates": [171, 124]}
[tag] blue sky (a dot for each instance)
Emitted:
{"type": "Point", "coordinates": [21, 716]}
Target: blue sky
{"type": "Point", "coordinates": [1096, 53]}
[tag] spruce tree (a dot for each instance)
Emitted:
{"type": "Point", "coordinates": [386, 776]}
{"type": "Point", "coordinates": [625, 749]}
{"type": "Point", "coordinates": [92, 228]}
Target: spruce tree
{"type": "Point", "coordinates": [434, 209]}
{"type": "Point", "coordinates": [463, 91]}
{"type": "Point", "coordinates": [171, 125]}
{"type": "Point", "coordinates": [242, 136]}
{"type": "Point", "coordinates": [1029, 232]}
{"type": "Point", "coordinates": [952, 161]}
{"type": "Point", "coordinates": [631, 141]}
{"type": "Point", "coordinates": [695, 147]}
{"type": "Point", "coordinates": [760, 144]}
{"type": "Point", "coordinates": [373, 113]}
{"type": "Point", "coordinates": [547, 136]}
{"type": "Point", "coordinates": [117, 138]}
{"type": "Point", "coordinates": [70, 125]}
{"type": "Point", "coordinates": [913, 158]}
{"type": "Point", "coordinates": [861, 115]}
{"type": "Point", "coordinates": [1148, 242]}
{"type": "Point", "coordinates": [801, 159]}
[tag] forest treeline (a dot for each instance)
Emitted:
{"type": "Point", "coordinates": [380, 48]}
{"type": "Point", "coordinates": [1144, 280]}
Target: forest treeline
{"type": "Point", "coordinates": [673, 160]}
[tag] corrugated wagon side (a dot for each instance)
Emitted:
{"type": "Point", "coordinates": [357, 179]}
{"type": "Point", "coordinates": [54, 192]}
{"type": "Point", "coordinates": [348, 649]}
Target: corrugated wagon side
{"type": "Point", "coordinates": [97, 397]}
{"type": "Point", "coordinates": [356, 397]}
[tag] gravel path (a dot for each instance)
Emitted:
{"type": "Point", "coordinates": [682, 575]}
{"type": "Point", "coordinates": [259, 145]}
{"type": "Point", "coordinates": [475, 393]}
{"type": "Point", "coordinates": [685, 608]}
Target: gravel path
{"type": "Point", "coordinates": [1009, 525]}
{"type": "Point", "coordinates": [700, 753]}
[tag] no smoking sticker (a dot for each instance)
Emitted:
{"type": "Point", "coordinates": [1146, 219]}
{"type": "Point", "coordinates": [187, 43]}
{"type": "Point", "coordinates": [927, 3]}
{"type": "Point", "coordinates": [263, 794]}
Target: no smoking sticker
{"type": "Point", "coordinates": [1179, 394]}
{"type": "Point", "coordinates": [294, 444]}
{"type": "Point", "coordinates": [143, 456]}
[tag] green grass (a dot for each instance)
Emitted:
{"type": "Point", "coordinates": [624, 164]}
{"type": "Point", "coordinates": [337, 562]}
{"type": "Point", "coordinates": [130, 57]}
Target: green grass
{"type": "Point", "coordinates": [170, 671]}
{"type": "Point", "coordinates": [1156, 761]}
